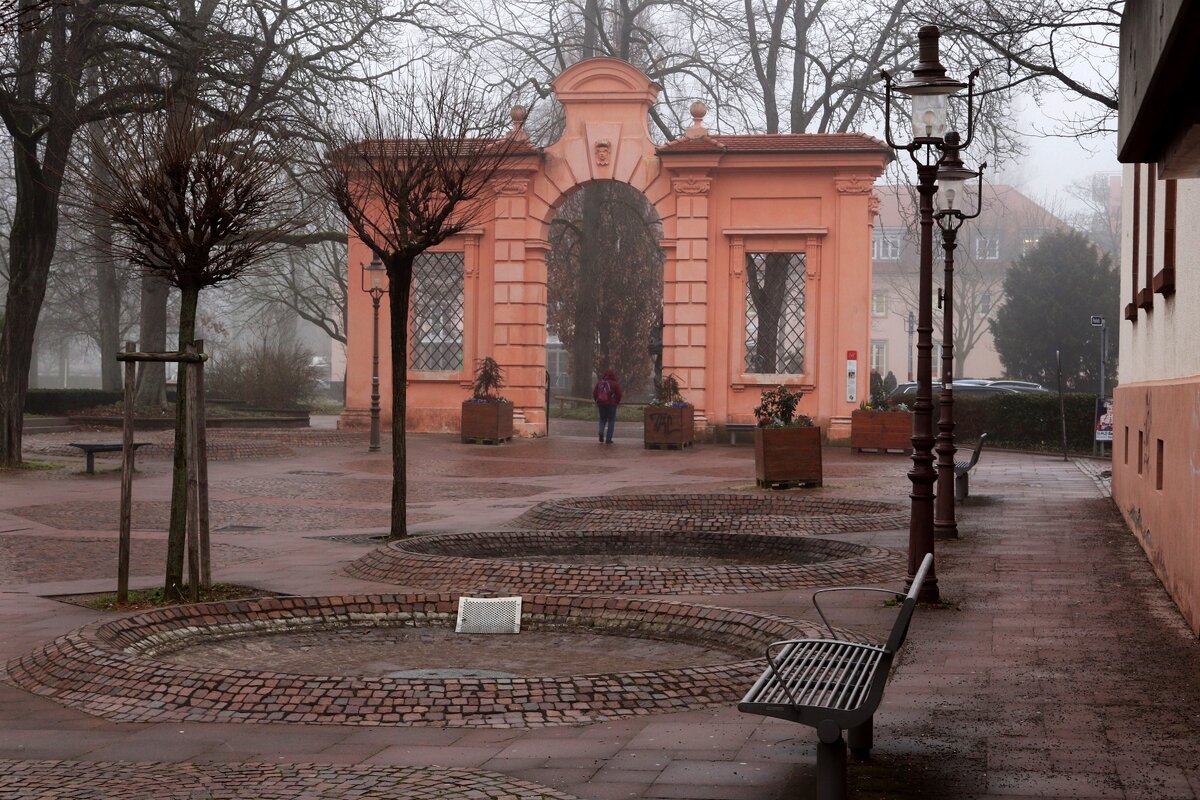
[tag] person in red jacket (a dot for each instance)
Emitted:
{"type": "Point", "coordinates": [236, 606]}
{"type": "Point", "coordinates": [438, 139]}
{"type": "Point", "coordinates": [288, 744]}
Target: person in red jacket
{"type": "Point", "coordinates": [607, 394]}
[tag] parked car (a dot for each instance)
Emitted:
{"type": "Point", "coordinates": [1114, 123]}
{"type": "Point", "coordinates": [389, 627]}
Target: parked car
{"type": "Point", "coordinates": [907, 392]}
{"type": "Point", "coordinates": [1020, 386]}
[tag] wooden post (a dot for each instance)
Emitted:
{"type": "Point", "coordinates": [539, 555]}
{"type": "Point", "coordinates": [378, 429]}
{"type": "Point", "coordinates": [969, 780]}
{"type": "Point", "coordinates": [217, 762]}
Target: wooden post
{"type": "Point", "coordinates": [200, 452]}
{"type": "Point", "coordinates": [193, 481]}
{"type": "Point", "coordinates": [126, 482]}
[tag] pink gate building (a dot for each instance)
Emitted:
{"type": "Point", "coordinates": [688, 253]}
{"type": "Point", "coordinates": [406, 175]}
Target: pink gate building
{"type": "Point", "coordinates": [802, 201]}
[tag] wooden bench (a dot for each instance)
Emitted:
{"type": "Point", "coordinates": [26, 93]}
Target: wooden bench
{"type": "Point", "coordinates": [832, 685]}
{"type": "Point", "coordinates": [90, 451]}
{"type": "Point", "coordinates": [734, 428]}
{"type": "Point", "coordinates": [962, 470]}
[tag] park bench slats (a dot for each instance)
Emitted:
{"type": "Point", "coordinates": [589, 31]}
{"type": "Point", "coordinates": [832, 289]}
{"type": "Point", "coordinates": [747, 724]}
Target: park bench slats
{"type": "Point", "coordinates": [832, 685]}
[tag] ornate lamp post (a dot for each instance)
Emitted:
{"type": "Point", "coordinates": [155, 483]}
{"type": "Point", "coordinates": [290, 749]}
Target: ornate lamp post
{"type": "Point", "coordinates": [952, 177]}
{"type": "Point", "coordinates": [373, 277]}
{"type": "Point", "coordinates": [910, 327]}
{"type": "Point", "coordinates": [929, 89]}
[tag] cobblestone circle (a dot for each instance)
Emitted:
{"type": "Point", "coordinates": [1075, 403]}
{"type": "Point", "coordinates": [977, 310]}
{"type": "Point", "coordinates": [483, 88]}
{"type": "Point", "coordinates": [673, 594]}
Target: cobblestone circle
{"type": "Point", "coordinates": [108, 669]}
{"type": "Point", "coordinates": [525, 562]}
{"type": "Point", "coordinates": [71, 780]}
{"type": "Point", "coordinates": [713, 512]}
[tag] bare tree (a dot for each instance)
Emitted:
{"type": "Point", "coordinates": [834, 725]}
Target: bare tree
{"type": "Point", "coordinates": [421, 167]}
{"type": "Point", "coordinates": [44, 61]}
{"type": "Point", "coordinates": [196, 212]}
{"type": "Point", "coordinates": [309, 277]}
{"type": "Point", "coordinates": [1070, 45]}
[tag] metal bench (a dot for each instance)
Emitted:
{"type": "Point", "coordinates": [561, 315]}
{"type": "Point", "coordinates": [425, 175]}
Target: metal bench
{"type": "Point", "coordinates": [962, 470]}
{"type": "Point", "coordinates": [90, 451]}
{"type": "Point", "coordinates": [734, 428]}
{"type": "Point", "coordinates": [832, 685]}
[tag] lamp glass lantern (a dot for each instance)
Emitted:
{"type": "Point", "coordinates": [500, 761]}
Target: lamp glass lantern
{"type": "Point", "coordinates": [952, 188]}
{"type": "Point", "coordinates": [373, 275]}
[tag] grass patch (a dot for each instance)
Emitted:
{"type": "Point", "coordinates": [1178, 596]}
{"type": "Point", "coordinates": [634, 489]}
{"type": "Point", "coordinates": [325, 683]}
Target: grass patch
{"type": "Point", "coordinates": [325, 407]}
{"type": "Point", "coordinates": [33, 466]}
{"type": "Point", "coordinates": [143, 599]}
{"type": "Point", "coordinates": [631, 413]}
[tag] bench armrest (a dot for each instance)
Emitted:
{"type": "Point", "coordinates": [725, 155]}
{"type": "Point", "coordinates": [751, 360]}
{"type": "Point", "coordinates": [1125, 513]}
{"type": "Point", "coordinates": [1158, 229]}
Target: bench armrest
{"type": "Point", "coordinates": [895, 595]}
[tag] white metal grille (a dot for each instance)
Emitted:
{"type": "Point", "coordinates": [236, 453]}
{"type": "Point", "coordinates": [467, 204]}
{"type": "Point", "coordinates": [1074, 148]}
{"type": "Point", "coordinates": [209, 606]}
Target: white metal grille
{"type": "Point", "coordinates": [775, 313]}
{"type": "Point", "coordinates": [489, 615]}
{"type": "Point", "coordinates": [437, 312]}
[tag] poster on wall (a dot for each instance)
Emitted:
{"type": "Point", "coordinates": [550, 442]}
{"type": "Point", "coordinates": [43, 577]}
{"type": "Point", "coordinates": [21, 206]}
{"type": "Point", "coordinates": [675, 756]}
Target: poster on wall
{"type": "Point", "coordinates": [1104, 419]}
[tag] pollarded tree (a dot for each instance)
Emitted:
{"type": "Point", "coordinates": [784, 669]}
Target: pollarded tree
{"type": "Point", "coordinates": [419, 168]}
{"type": "Point", "coordinates": [1049, 295]}
{"type": "Point", "coordinates": [195, 212]}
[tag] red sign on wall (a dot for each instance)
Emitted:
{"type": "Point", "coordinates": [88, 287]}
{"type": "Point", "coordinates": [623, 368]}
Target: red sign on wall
{"type": "Point", "coordinates": [851, 355]}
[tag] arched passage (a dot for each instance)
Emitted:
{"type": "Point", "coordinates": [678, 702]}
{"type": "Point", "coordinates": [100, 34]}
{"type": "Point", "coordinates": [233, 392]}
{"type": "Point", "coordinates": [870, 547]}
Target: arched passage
{"type": "Point", "coordinates": [727, 205]}
{"type": "Point", "coordinates": [604, 273]}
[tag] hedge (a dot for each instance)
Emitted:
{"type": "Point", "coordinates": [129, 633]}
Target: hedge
{"type": "Point", "coordinates": [1026, 420]}
{"type": "Point", "coordinates": [56, 402]}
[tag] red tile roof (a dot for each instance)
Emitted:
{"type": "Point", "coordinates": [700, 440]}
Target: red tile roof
{"type": "Point", "coordinates": [778, 143]}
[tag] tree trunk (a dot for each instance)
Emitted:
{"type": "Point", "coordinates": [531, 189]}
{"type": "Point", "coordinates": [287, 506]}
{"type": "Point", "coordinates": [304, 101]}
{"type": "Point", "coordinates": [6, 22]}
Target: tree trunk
{"type": "Point", "coordinates": [768, 291]}
{"type": "Point", "coordinates": [177, 533]}
{"type": "Point", "coordinates": [399, 293]}
{"type": "Point", "coordinates": [31, 249]}
{"type": "Point", "coordinates": [152, 376]}
{"type": "Point", "coordinates": [587, 310]}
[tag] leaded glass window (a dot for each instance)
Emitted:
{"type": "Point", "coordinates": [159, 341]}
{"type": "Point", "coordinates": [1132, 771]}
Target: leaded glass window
{"type": "Point", "coordinates": [436, 338]}
{"type": "Point", "coordinates": [775, 313]}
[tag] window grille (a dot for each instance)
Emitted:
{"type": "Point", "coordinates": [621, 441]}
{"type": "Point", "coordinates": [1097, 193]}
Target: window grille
{"type": "Point", "coordinates": [885, 246]}
{"type": "Point", "coordinates": [436, 337]}
{"type": "Point", "coordinates": [879, 348]}
{"type": "Point", "coordinates": [987, 248]}
{"type": "Point", "coordinates": [775, 313]}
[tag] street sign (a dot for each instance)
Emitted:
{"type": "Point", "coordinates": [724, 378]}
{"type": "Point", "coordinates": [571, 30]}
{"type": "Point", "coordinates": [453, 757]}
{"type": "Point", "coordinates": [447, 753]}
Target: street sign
{"type": "Point", "coordinates": [1097, 321]}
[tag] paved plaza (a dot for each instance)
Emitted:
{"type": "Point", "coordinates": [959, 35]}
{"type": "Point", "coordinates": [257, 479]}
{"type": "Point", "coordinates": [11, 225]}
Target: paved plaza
{"type": "Point", "coordinates": [1057, 668]}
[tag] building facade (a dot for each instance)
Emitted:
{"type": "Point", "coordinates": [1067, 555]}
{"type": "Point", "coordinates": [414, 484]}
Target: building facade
{"type": "Point", "coordinates": [1008, 226]}
{"type": "Point", "coordinates": [766, 242]}
{"type": "Point", "coordinates": [1156, 420]}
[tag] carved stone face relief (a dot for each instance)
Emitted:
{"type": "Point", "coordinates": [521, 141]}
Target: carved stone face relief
{"type": "Point", "coordinates": [603, 153]}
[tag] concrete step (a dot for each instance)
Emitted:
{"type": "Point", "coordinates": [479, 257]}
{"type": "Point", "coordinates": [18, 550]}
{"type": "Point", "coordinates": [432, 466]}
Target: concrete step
{"type": "Point", "coordinates": [48, 424]}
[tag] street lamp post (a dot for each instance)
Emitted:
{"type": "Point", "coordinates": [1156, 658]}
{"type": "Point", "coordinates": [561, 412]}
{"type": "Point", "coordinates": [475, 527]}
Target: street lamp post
{"type": "Point", "coordinates": [1099, 322]}
{"type": "Point", "coordinates": [929, 89]}
{"type": "Point", "coordinates": [952, 178]}
{"type": "Point", "coordinates": [910, 327]}
{"type": "Point", "coordinates": [374, 286]}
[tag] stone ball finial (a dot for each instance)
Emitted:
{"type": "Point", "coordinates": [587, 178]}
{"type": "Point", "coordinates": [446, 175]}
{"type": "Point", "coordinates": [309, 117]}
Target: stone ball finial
{"type": "Point", "coordinates": [697, 129]}
{"type": "Point", "coordinates": [519, 114]}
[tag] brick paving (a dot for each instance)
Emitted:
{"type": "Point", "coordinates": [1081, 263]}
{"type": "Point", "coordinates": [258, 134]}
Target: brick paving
{"type": "Point", "coordinates": [111, 669]}
{"type": "Point", "coordinates": [64, 780]}
{"type": "Point", "coordinates": [766, 513]}
{"type": "Point", "coordinates": [1059, 669]}
{"type": "Point", "coordinates": [517, 561]}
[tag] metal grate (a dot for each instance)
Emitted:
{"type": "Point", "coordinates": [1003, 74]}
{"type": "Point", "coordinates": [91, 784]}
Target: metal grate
{"type": "Point", "coordinates": [775, 313]}
{"type": "Point", "coordinates": [489, 615]}
{"type": "Point", "coordinates": [437, 313]}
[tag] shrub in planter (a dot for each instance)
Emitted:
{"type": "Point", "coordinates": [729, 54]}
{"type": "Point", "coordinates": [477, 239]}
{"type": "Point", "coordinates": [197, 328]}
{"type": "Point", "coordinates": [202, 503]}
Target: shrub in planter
{"type": "Point", "coordinates": [487, 418]}
{"type": "Point", "coordinates": [787, 446]}
{"type": "Point", "coordinates": [881, 424]}
{"type": "Point", "coordinates": [669, 420]}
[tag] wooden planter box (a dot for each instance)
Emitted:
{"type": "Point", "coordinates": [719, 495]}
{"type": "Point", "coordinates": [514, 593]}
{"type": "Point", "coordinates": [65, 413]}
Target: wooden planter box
{"type": "Point", "coordinates": [487, 423]}
{"type": "Point", "coordinates": [786, 457]}
{"type": "Point", "coordinates": [881, 430]}
{"type": "Point", "coordinates": [668, 427]}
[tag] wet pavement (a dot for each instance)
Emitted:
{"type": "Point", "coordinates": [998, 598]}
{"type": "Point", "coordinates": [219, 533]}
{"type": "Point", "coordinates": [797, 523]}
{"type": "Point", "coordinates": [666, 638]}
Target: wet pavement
{"type": "Point", "coordinates": [1058, 668]}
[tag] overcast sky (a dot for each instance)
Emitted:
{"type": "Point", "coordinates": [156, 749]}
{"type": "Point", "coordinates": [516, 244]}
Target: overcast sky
{"type": "Point", "coordinates": [1054, 162]}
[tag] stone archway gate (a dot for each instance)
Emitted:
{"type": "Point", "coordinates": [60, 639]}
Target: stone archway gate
{"type": "Point", "coordinates": [788, 213]}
